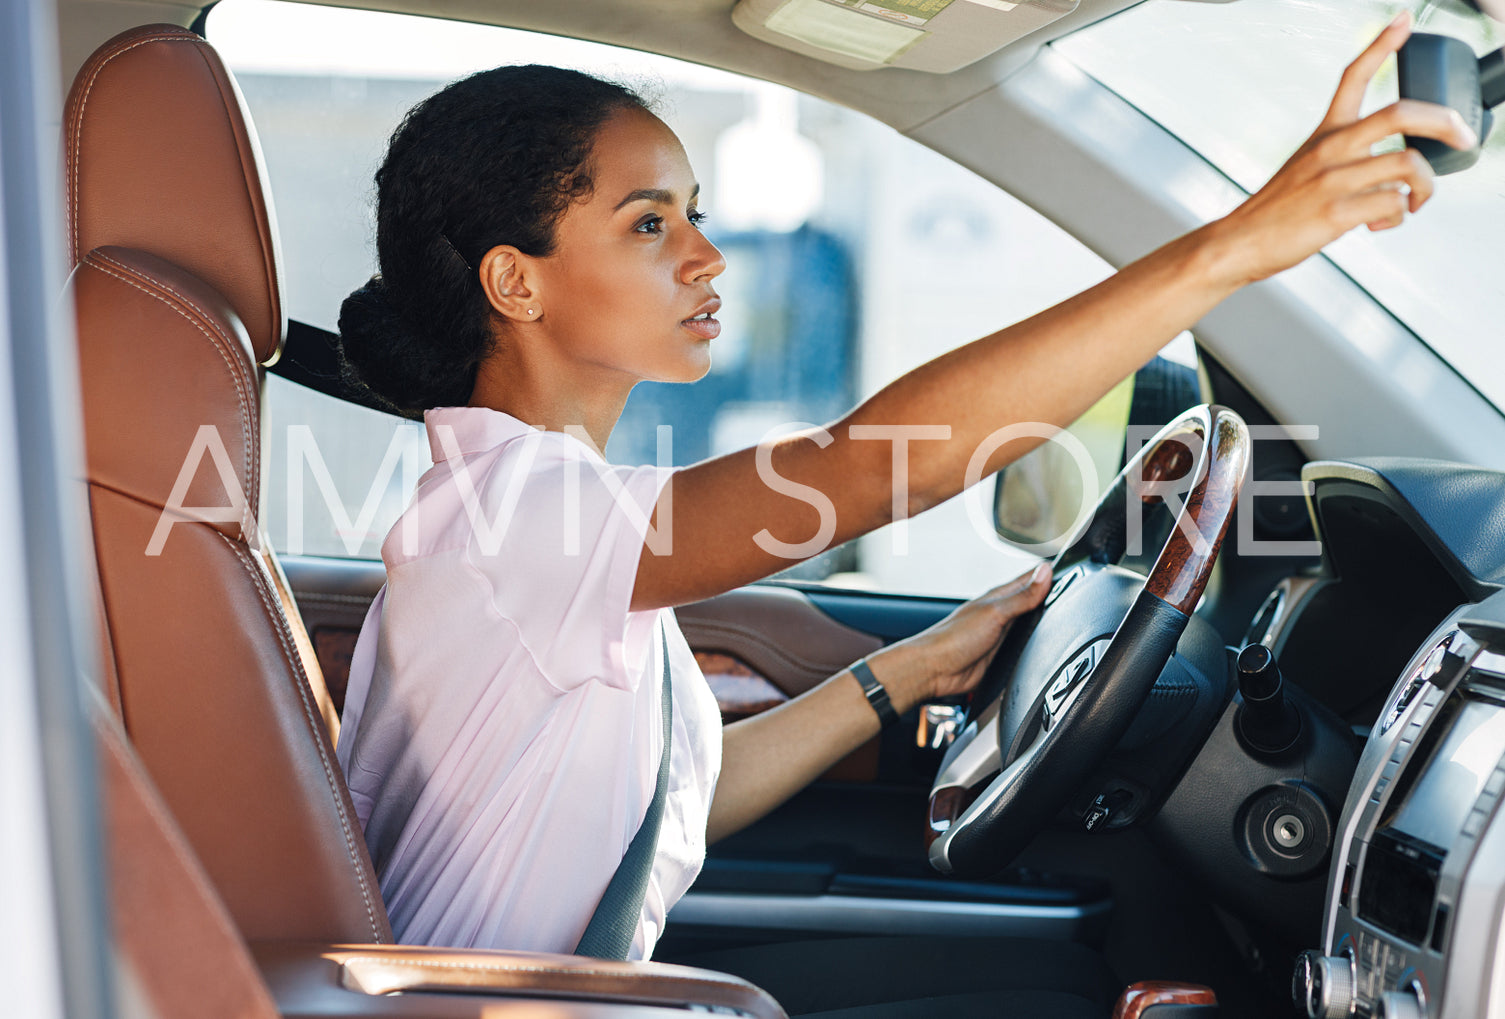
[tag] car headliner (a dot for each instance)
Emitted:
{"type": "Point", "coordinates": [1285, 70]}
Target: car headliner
{"type": "Point", "coordinates": [700, 31]}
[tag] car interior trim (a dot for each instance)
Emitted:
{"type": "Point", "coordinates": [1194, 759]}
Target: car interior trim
{"type": "Point", "coordinates": [1291, 595]}
{"type": "Point", "coordinates": [52, 852]}
{"type": "Point", "coordinates": [857, 914]}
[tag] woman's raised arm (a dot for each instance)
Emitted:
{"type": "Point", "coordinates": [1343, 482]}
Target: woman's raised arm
{"type": "Point", "coordinates": [743, 516]}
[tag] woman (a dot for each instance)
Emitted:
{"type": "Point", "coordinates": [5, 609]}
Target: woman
{"type": "Point", "coordinates": [540, 255]}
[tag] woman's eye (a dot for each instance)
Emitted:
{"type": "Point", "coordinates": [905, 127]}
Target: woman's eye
{"type": "Point", "coordinates": [655, 224]}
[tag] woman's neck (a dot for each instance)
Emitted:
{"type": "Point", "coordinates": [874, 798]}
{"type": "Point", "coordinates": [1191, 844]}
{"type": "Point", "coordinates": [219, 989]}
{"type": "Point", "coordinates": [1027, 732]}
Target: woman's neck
{"type": "Point", "coordinates": [557, 398]}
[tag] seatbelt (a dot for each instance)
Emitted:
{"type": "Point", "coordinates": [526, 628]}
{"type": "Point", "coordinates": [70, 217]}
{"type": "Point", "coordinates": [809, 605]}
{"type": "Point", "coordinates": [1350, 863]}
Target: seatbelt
{"type": "Point", "coordinates": [610, 931]}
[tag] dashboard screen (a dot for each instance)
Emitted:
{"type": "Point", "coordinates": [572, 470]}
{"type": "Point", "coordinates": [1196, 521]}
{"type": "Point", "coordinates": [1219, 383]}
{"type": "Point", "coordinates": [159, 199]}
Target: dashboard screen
{"type": "Point", "coordinates": [1454, 776]}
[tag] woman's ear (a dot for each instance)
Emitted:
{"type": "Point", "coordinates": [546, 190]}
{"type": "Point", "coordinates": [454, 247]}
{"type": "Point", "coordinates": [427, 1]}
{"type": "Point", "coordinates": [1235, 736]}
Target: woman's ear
{"type": "Point", "coordinates": [506, 277]}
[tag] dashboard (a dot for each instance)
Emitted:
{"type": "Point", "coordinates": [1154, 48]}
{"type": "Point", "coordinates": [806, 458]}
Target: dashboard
{"type": "Point", "coordinates": [1415, 888]}
{"type": "Point", "coordinates": [1418, 877]}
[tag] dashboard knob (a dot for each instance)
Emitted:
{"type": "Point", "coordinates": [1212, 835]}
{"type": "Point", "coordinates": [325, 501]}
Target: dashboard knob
{"type": "Point", "coordinates": [1301, 979]}
{"type": "Point", "coordinates": [1399, 1005]}
{"type": "Point", "coordinates": [1323, 985]}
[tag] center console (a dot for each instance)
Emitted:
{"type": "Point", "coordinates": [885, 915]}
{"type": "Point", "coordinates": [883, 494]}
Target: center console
{"type": "Point", "coordinates": [1418, 878]}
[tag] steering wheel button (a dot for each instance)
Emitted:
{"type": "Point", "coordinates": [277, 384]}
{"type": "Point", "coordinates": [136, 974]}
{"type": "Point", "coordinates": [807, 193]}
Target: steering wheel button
{"type": "Point", "coordinates": [1061, 584]}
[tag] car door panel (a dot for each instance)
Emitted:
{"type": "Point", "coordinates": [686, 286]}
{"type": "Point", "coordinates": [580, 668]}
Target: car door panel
{"type": "Point", "coordinates": [759, 646]}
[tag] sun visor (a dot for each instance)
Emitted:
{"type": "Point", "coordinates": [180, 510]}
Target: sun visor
{"type": "Point", "coordinates": [920, 35]}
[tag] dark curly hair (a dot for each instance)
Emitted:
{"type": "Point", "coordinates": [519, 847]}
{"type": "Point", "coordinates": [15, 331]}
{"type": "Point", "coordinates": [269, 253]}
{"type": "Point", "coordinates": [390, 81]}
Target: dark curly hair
{"type": "Point", "coordinates": [495, 158]}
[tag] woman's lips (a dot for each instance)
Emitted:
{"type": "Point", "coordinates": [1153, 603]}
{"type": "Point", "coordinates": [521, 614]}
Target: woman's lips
{"type": "Point", "coordinates": [705, 328]}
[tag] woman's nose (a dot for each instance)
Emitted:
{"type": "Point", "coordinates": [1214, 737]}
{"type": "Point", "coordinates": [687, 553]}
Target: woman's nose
{"type": "Point", "coordinates": [705, 261]}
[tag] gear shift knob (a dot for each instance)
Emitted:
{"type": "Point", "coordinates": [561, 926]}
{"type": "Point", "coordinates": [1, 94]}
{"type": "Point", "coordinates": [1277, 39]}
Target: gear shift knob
{"type": "Point", "coordinates": [1266, 722]}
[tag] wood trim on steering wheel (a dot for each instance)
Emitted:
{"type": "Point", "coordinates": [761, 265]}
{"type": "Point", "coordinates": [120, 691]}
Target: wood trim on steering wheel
{"type": "Point", "coordinates": [1182, 570]}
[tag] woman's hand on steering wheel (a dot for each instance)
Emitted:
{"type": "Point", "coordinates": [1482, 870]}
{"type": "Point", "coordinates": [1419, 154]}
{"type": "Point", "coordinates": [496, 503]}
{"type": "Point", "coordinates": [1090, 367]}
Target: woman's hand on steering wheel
{"type": "Point", "coordinates": [951, 657]}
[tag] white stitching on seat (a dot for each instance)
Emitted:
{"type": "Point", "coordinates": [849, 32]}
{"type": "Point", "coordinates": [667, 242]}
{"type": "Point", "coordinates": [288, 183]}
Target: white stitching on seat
{"type": "Point", "coordinates": [300, 679]}
{"type": "Point", "coordinates": [221, 345]}
{"type": "Point", "coordinates": [227, 103]}
{"type": "Point", "coordinates": [254, 195]}
{"type": "Point", "coordinates": [300, 683]}
{"type": "Point", "coordinates": [98, 253]}
{"type": "Point", "coordinates": [232, 344]}
{"type": "Point", "coordinates": [78, 126]}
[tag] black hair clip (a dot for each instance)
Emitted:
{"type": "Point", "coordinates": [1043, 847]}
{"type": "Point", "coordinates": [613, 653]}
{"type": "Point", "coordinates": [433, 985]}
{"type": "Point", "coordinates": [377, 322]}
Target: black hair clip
{"type": "Point", "coordinates": [451, 245]}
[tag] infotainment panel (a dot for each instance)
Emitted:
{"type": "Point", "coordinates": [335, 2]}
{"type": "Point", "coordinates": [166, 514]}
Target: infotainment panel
{"type": "Point", "coordinates": [1425, 795]}
{"type": "Point", "coordinates": [1451, 780]}
{"type": "Point", "coordinates": [1425, 812]}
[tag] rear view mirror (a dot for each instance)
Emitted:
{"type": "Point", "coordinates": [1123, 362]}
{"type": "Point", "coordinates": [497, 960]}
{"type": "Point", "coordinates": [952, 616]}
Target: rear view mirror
{"type": "Point", "coordinates": [1444, 70]}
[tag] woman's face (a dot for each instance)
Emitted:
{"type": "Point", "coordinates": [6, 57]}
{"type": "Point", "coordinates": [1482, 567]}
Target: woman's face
{"type": "Point", "coordinates": [629, 283]}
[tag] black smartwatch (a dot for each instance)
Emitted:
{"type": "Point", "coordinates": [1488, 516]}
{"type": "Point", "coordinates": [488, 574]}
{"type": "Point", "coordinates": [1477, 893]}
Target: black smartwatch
{"type": "Point", "coordinates": [876, 695]}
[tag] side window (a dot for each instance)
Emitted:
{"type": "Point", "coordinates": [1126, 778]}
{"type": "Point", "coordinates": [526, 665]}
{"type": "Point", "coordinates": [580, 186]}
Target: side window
{"type": "Point", "coordinates": [853, 255]}
{"type": "Point", "coordinates": [336, 475]}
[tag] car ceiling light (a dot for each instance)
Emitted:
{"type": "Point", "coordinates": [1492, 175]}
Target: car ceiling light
{"type": "Point", "coordinates": [921, 35]}
{"type": "Point", "coordinates": [842, 30]}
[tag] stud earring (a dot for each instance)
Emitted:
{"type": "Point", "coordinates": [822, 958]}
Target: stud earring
{"type": "Point", "coordinates": [531, 310]}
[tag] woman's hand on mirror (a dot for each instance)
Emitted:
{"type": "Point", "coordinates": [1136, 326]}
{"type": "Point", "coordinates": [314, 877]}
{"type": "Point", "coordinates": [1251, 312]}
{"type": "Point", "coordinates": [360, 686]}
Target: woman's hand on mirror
{"type": "Point", "coordinates": [1333, 183]}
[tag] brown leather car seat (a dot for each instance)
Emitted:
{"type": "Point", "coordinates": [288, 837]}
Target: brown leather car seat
{"type": "Point", "coordinates": [176, 289]}
{"type": "Point", "coordinates": [181, 957]}
{"type": "Point", "coordinates": [178, 300]}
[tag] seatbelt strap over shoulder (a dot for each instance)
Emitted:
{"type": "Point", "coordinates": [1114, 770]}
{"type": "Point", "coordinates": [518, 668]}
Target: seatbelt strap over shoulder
{"type": "Point", "coordinates": [611, 928]}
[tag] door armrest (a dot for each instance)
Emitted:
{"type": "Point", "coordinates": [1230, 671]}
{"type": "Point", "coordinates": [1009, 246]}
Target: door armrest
{"type": "Point", "coordinates": [353, 980]}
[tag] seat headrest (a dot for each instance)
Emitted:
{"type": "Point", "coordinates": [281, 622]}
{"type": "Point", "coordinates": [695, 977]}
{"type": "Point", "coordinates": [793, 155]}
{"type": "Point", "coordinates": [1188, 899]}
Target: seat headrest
{"type": "Point", "coordinates": [169, 390]}
{"type": "Point", "coordinates": [161, 158]}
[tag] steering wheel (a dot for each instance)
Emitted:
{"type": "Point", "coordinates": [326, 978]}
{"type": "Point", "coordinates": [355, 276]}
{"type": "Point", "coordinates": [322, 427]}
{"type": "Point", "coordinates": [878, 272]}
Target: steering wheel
{"type": "Point", "coordinates": [1071, 677]}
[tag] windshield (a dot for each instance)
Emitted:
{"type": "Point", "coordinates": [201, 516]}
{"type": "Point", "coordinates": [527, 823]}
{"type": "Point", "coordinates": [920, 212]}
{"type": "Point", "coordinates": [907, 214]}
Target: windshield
{"type": "Point", "coordinates": [1244, 83]}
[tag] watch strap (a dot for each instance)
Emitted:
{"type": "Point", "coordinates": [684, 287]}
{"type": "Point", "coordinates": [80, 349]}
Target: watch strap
{"type": "Point", "coordinates": [876, 695]}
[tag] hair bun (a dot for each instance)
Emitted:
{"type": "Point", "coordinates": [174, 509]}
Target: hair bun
{"type": "Point", "coordinates": [367, 306]}
{"type": "Point", "coordinates": [381, 352]}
